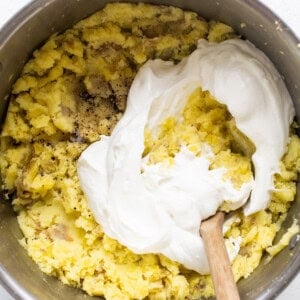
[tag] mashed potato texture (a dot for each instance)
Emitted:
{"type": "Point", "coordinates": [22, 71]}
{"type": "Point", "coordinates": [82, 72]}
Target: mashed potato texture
{"type": "Point", "coordinates": [74, 89]}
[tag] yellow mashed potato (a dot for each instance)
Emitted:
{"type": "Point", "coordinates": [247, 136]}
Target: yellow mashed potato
{"type": "Point", "coordinates": [74, 89]}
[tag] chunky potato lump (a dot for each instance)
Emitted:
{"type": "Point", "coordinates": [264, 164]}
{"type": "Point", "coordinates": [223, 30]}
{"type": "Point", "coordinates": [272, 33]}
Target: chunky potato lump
{"type": "Point", "coordinates": [204, 121]}
{"type": "Point", "coordinates": [74, 89]}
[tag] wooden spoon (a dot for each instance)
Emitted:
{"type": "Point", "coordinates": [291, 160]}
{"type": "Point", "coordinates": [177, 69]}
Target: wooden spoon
{"type": "Point", "coordinates": [211, 232]}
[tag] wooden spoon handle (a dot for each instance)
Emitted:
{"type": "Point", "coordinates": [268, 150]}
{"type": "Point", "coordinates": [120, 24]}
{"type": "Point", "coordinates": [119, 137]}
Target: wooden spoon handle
{"type": "Point", "coordinates": [224, 284]}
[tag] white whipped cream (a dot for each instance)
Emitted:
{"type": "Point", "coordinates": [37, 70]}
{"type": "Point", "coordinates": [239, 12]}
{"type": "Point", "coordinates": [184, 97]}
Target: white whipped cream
{"type": "Point", "coordinates": [158, 209]}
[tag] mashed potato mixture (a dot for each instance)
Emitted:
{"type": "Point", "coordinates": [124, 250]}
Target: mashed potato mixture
{"type": "Point", "coordinates": [73, 90]}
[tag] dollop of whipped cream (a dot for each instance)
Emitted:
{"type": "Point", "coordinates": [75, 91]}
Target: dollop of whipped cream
{"type": "Point", "coordinates": [158, 208]}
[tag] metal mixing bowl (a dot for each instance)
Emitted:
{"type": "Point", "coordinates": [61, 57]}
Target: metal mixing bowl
{"type": "Point", "coordinates": [36, 22]}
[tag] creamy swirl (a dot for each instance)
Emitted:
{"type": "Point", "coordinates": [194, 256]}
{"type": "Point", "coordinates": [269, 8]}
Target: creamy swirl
{"type": "Point", "coordinates": [158, 209]}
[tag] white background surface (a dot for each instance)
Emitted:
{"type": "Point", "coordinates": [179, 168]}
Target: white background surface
{"type": "Point", "coordinates": [288, 10]}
